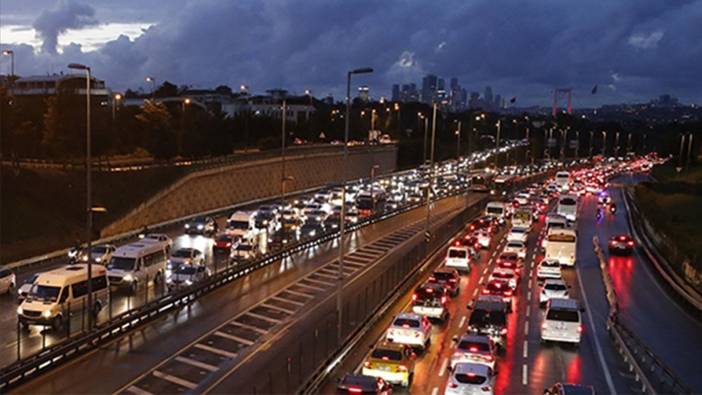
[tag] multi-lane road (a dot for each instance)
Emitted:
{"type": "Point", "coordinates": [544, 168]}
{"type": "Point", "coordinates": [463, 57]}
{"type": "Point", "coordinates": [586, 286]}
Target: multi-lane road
{"type": "Point", "coordinates": [527, 365]}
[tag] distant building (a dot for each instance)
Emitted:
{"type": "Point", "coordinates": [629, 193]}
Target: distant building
{"type": "Point", "coordinates": [429, 85]}
{"type": "Point", "coordinates": [409, 93]}
{"type": "Point", "coordinates": [364, 93]}
{"type": "Point", "coordinates": [395, 92]}
{"type": "Point", "coordinates": [37, 88]}
{"type": "Point", "coordinates": [488, 95]}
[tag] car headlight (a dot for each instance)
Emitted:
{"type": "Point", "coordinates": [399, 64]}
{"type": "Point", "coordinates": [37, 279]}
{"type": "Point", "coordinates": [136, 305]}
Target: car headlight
{"type": "Point", "coordinates": [20, 310]}
{"type": "Point", "coordinates": [98, 259]}
{"type": "Point", "coordinates": [128, 278]}
{"type": "Point", "coordinates": [187, 226]}
{"type": "Point", "coordinates": [188, 282]}
{"type": "Point", "coordinates": [46, 313]}
{"type": "Point", "coordinates": [200, 227]}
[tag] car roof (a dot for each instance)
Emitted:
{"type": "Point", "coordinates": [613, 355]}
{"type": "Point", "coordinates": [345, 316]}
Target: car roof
{"type": "Point", "coordinates": [409, 316]}
{"type": "Point", "coordinates": [475, 339]}
{"type": "Point", "coordinates": [577, 389]}
{"type": "Point", "coordinates": [386, 345]}
{"type": "Point", "coordinates": [554, 281]}
{"type": "Point", "coordinates": [468, 367]}
{"type": "Point", "coordinates": [563, 303]}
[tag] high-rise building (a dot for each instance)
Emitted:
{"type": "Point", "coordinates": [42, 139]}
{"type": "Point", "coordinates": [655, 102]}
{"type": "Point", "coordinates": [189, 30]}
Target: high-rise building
{"type": "Point", "coordinates": [364, 93]}
{"type": "Point", "coordinates": [498, 101]}
{"type": "Point", "coordinates": [409, 93]}
{"type": "Point", "coordinates": [441, 84]}
{"type": "Point", "coordinates": [429, 84]}
{"type": "Point", "coordinates": [454, 84]}
{"type": "Point", "coordinates": [488, 95]}
{"type": "Point", "coordinates": [395, 92]}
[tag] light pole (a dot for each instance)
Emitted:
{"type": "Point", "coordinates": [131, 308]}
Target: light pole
{"type": "Point", "coordinates": [458, 141]}
{"type": "Point", "coordinates": [617, 150]}
{"type": "Point", "coordinates": [284, 111]}
{"type": "Point", "coordinates": [592, 136]}
{"type": "Point", "coordinates": [342, 225]}
{"type": "Point", "coordinates": [604, 143]}
{"type": "Point", "coordinates": [497, 142]}
{"type": "Point", "coordinates": [689, 152]}
{"type": "Point", "coordinates": [372, 183]}
{"type": "Point", "coordinates": [152, 80]}
{"type": "Point", "coordinates": [11, 54]}
{"type": "Point", "coordinates": [682, 148]}
{"type": "Point", "coordinates": [88, 187]}
{"type": "Point", "coordinates": [115, 99]}
{"type": "Point", "coordinates": [577, 144]}
{"type": "Point", "coordinates": [427, 234]}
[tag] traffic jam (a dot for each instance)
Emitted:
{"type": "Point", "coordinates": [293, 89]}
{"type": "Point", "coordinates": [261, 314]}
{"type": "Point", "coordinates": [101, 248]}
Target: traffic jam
{"type": "Point", "coordinates": [155, 264]}
{"type": "Point", "coordinates": [514, 261]}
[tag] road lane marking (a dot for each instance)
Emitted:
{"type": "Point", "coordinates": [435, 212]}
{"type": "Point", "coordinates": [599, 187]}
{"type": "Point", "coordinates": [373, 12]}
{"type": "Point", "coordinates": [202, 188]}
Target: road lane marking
{"type": "Point", "coordinates": [528, 310]}
{"type": "Point", "coordinates": [217, 351]}
{"type": "Point", "coordinates": [281, 299]}
{"type": "Point", "coordinates": [197, 364]}
{"type": "Point", "coordinates": [600, 354]}
{"type": "Point", "coordinates": [525, 352]}
{"type": "Point", "coordinates": [263, 317]}
{"type": "Point", "coordinates": [530, 284]}
{"type": "Point", "coordinates": [526, 328]}
{"type": "Point", "coordinates": [251, 327]}
{"type": "Point", "coordinates": [138, 391]}
{"type": "Point", "coordinates": [524, 374]}
{"type": "Point", "coordinates": [463, 321]}
{"type": "Point", "coordinates": [443, 367]}
{"type": "Point", "coordinates": [435, 391]}
{"type": "Point", "coordinates": [237, 339]}
{"type": "Point", "coordinates": [175, 380]}
{"type": "Point", "coordinates": [475, 293]}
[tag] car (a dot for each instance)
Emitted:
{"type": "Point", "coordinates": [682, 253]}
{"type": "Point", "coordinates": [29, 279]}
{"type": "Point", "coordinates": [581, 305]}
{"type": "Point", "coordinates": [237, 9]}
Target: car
{"type": "Point", "coordinates": [548, 268]}
{"type": "Point", "coordinates": [484, 238]}
{"type": "Point", "coordinates": [332, 222]}
{"type": "Point", "coordinates": [266, 219]}
{"type": "Point", "coordinates": [569, 389]}
{"type": "Point", "coordinates": [449, 278]}
{"type": "Point", "coordinates": [7, 280]}
{"type": "Point", "coordinates": [353, 384]}
{"type": "Point", "coordinates": [99, 253]}
{"type": "Point", "coordinates": [26, 287]}
{"type": "Point", "coordinates": [474, 348]}
{"type": "Point", "coordinates": [518, 234]}
{"type": "Point", "coordinates": [458, 257]}
{"type": "Point", "coordinates": [505, 274]}
{"type": "Point", "coordinates": [431, 300]}
{"type": "Point", "coordinates": [501, 288]}
{"type": "Point", "coordinates": [185, 256]}
{"type": "Point", "coordinates": [186, 275]}
{"type": "Point", "coordinates": [391, 362]}
{"type": "Point", "coordinates": [158, 238]}
{"type": "Point", "coordinates": [621, 244]}
{"type": "Point", "coordinates": [311, 230]}
{"type": "Point", "coordinates": [562, 321]}
{"type": "Point", "coordinates": [223, 243]}
{"type": "Point", "coordinates": [470, 378]}
{"type": "Point", "coordinates": [518, 247]}
{"type": "Point", "coordinates": [205, 226]}
{"type": "Point", "coordinates": [468, 240]}
{"type": "Point", "coordinates": [482, 223]}
{"type": "Point", "coordinates": [410, 329]}
{"type": "Point", "coordinates": [244, 251]}
{"type": "Point", "coordinates": [489, 317]}
{"type": "Point", "coordinates": [553, 288]}
{"type": "Point", "coordinates": [509, 260]}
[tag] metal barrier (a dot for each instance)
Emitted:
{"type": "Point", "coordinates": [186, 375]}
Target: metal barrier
{"type": "Point", "coordinates": [649, 371]}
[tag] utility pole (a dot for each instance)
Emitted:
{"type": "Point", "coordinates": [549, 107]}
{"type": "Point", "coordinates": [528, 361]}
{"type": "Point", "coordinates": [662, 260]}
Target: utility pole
{"type": "Point", "coordinates": [458, 141]}
{"type": "Point", "coordinates": [427, 233]}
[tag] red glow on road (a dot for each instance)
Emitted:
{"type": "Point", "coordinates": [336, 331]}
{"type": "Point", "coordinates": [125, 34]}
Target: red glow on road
{"type": "Point", "coordinates": [574, 371]}
{"type": "Point", "coordinates": [621, 270]}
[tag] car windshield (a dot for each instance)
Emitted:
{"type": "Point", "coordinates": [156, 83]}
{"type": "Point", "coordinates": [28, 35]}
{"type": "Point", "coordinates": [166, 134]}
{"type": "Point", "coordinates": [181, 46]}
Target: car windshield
{"type": "Point", "coordinates": [515, 245]}
{"type": "Point", "coordinates": [99, 250]}
{"type": "Point", "coordinates": [473, 346]}
{"type": "Point", "coordinates": [549, 263]}
{"type": "Point", "coordinates": [182, 254]}
{"type": "Point", "coordinates": [442, 276]}
{"type": "Point", "coordinates": [45, 292]}
{"type": "Point", "coordinates": [427, 294]}
{"type": "Point", "coordinates": [186, 269]}
{"type": "Point", "coordinates": [224, 238]}
{"type": "Point", "coordinates": [563, 315]}
{"type": "Point", "coordinates": [567, 202]}
{"type": "Point", "coordinates": [381, 353]}
{"type": "Point", "coordinates": [364, 203]}
{"type": "Point", "coordinates": [554, 287]}
{"type": "Point", "coordinates": [239, 224]}
{"type": "Point", "coordinates": [518, 230]}
{"type": "Point", "coordinates": [495, 210]}
{"type": "Point", "coordinates": [244, 247]}
{"type": "Point", "coordinates": [406, 322]}
{"type": "Point", "coordinates": [121, 263]}
{"type": "Point", "coordinates": [454, 253]}
{"type": "Point", "coordinates": [470, 378]}
{"type": "Point", "coordinates": [481, 317]}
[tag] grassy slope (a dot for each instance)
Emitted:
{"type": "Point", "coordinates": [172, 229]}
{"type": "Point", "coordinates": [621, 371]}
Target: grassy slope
{"type": "Point", "coordinates": [44, 210]}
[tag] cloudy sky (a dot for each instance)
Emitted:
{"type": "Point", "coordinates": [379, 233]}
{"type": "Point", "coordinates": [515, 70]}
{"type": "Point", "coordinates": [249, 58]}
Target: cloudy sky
{"type": "Point", "coordinates": [633, 49]}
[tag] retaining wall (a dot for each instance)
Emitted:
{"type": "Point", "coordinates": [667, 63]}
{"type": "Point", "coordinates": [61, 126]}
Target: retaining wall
{"type": "Point", "coordinates": [224, 186]}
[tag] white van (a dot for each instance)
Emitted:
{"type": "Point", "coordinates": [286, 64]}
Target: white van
{"type": "Point", "coordinates": [568, 207]}
{"type": "Point", "coordinates": [496, 210]}
{"type": "Point", "coordinates": [58, 292]}
{"type": "Point", "coordinates": [563, 180]}
{"type": "Point", "coordinates": [137, 263]}
{"type": "Point", "coordinates": [562, 321]}
{"type": "Point", "coordinates": [561, 245]}
{"type": "Point", "coordinates": [458, 257]}
{"type": "Point", "coordinates": [241, 224]}
{"type": "Point", "coordinates": [556, 221]}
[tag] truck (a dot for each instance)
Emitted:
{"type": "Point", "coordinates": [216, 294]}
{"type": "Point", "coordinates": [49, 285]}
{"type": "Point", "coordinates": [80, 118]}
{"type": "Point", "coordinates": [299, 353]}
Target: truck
{"type": "Point", "coordinates": [241, 224]}
{"type": "Point", "coordinates": [522, 218]}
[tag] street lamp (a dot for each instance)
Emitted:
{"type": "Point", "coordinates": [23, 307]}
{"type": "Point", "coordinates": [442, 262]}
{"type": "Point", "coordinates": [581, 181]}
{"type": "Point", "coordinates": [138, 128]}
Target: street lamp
{"type": "Point", "coordinates": [284, 115]}
{"type": "Point", "coordinates": [115, 99]}
{"type": "Point", "coordinates": [152, 80]}
{"type": "Point", "coordinates": [342, 225]}
{"type": "Point", "coordinates": [427, 233]}
{"type": "Point", "coordinates": [458, 141]}
{"type": "Point", "coordinates": [604, 143]}
{"type": "Point", "coordinates": [372, 182]}
{"type": "Point", "coordinates": [88, 185]}
{"type": "Point", "coordinates": [11, 54]}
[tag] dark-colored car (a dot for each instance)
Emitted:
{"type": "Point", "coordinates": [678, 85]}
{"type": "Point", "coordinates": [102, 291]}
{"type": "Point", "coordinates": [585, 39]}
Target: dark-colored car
{"type": "Point", "coordinates": [501, 288]}
{"type": "Point", "coordinates": [569, 389]}
{"type": "Point", "coordinates": [447, 277]}
{"type": "Point", "coordinates": [509, 260]}
{"type": "Point", "coordinates": [311, 230]}
{"type": "Point", "coordinates": [360, 384]}
{"type": "Point", "coordinates": [621, 244]}
{"type": "Point", "coordinates": [201, 226]}
{"type": "Point", "coordinates": [489, 317]}
{"type": "Point", "coordinates": [223, 243]}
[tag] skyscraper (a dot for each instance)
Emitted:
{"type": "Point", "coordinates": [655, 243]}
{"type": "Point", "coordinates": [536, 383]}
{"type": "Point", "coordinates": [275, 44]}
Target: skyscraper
{"type": "Point", "coordinates": [488, 95]}
{"type": "Point", "coordinates": [395, 92]}
{"type": "Point", "coordinates": [364, 93]}
{"type": "Point", "coordinates": [429, 83]}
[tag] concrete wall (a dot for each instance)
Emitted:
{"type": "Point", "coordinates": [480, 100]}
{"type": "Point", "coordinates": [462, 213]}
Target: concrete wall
{"type": "Point", "coordinates": [229, 185]}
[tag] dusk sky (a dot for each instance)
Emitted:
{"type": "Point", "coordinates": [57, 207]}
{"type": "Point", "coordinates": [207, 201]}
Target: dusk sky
{"type": "Point", "coordinates": [633, 49]}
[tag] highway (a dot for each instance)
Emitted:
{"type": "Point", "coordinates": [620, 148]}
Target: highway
{"type": "Point", "coordinates": [126, 360]}
{"type": "Point", "coordinates": [527, 365]}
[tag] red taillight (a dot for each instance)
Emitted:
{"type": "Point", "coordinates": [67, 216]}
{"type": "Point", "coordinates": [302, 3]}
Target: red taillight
{"type": "Point", "coordinates": [402, 368]}
{"type": "Point", "coordinates": [472, 227]}
{"type": "Point", "coordinates": [473, 349]}
{"type": "Point", "coordinates": [489, 358]}
{"type": "Point", "coordinates": [580, 329]}
{"type": "Point", "coordinates": [503, 331]}
{"type": "Point", "coordinates": [367, 365]}
{"type": "Point", "coordinates": [544, 326]}
{"type": "Point", "coordinates": [485, 291]}
{"type": "Point", "coordinates": [630, 243]}
{"type": "Point", "coordinates": [429, 290]}
{"type": "Point", "coordinates": [355, 390]}
{"type": "Point", "coordinates": [508, 293]}
{"type": "Point", "coordinates": [432, 278]}
{"type": "Point", "coordinates": [443, 300]}
{"type": "Point", "coordinates": [452, 385]}
{"type": "Point", "coordinates": [414, 297]}
{"type": "Point", "coordinates": [229, 244]}
{"type": "Point", "coordinates": [498, 285]}
{"type": "Point", "coordinates": [405, 325]}
{"type": "Point", "coordinates": [452, 280]}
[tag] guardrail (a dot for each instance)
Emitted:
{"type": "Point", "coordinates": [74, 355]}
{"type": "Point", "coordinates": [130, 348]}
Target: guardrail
{"type": "Point", "coordinates": [653, 375]}
{"type": "Point", "coordinates": [644, 232]}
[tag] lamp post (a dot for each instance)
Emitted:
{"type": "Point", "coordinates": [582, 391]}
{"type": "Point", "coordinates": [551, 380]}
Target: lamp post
{"type": "Point", "coordinates": [427, 233]}
{"type": "Point", "coordinates": [88, 186]}
{"type": "Point", "coordinates": [115, 99]}
{"type": "Point", "coordinates": [152, 80]}
{"type": "Point", "coordinates": [372, 183]}
{"type": "Point", "coordinates": [284, 112]}
{"type": "Point", "coordinates": [458, 141]}
{"type": "Point", "coordinates": [497, 142]}
{"type": "Point", "coordinates": [604, 143]}
{"type": "Point", "coordinates": [11, 54]}
{"type": "Point", "coordinates": [592, 136]}
{"type": "Point", "coordinates": [342, 225]}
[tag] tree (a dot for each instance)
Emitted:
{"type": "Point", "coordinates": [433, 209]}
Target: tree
{"type": "Point", "coordinates": [156, 122]}
{"type": "Point", "coordinates": [166, 89]}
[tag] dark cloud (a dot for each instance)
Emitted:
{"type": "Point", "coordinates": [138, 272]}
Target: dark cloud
{"type": "Point", "coordinates": [66, 15]}
{"type": "Point", "coordinates": [634, 49]}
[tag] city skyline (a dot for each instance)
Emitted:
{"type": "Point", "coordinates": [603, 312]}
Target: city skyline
{"type": "Point", "coordinates": [265, 46]}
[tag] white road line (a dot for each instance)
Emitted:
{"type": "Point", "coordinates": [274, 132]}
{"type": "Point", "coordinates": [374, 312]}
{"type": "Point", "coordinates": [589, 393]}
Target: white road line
{"type": "Point", "coordinates": [274, 307]}
{"type": "Point", "coordinates": [234, 338]}
{"type": "Point", "coordinates": [138, 391]}
{"type": "Point", "coordinates": [175, 380]}
{"type": "Point", "coordinates": [281, 299]}
{"type": "Point", "coordinates": [435, 391]}
{"type": "Point", "coordinates": [528, 310]}
{"type": "Point", "coordinates": [530, 284]}
{"type": "Point", "coordinates": [197, 364]}
{"type": "Point", "coordinates": [475, 293]}
{"type": "Point", "coordinates": [217, 351]}
{"type": "Point", "coordinates": [250, 327]}
{"type": "Point", "coordinates": [463, 321]}
{"type": "Point", "coordinates": [443, 367]}
{"type": "Point", "coordinates": [591, 324]}
{"type": "Point", "coordinates": [524, 374]}
{"type": "Point", "coordinates": [526, 328]}
{"type": "Point", "coordinates": [304, 295]}
{"type": "Point", "coordinates": [525, 352]}
{"type": "Point", "coordinates": [315, 281]}
{"type": "Point", "coordinates": [263, 317]}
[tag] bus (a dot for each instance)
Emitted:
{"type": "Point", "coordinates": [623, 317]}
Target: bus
{"type": "Point", "coordinates": [561, 245]}
{"type": "Point", "coordinates": [368, 204]}
{"type": "Point", "coordinates": [568, 207]}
